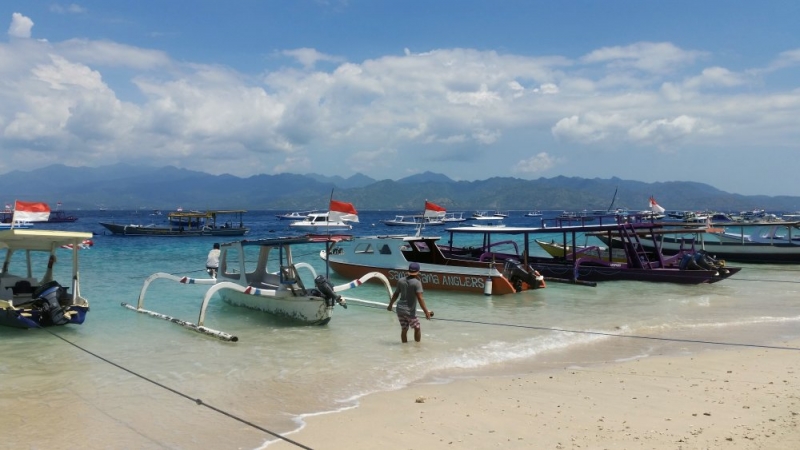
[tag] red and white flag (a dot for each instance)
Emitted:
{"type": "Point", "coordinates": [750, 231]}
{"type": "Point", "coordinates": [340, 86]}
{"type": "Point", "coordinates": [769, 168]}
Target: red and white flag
{"type": "Point", "coordinates": [433, 210]}
{"type": "Point", "coordinates": [655, 207]}
{"type": "Point", "coordinates": [342, 211]}
{"type": "Point", "coordinates": [31, 212]}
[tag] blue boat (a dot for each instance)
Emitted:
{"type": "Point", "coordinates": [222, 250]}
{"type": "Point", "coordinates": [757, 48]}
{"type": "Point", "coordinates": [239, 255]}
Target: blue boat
{"type": "Point", "coordinates": [29, 295]}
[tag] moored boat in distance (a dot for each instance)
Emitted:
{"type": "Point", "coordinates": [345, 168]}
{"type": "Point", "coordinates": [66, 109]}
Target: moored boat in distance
{"type": "Point", "coordinates": [558, 250]}
{"type": "Point", "coordinates": [763, 244]}
{"type": "Point", "coordinates": [411, 221]}
{"type": "Point", "coordinates": [30, 297]}
{"type": "Point", "coordinates": [453, 217]}
{"type": "Point", "coordinates": [338, 218]}
{"type": "Point", "coordinates": [219, 223]}
{"type": "Point", "coordinates": [263, 275]}
{"type": "Point", "coordinates": [320, 222]}
{"type": "Point", "coordinates": [295, 215]}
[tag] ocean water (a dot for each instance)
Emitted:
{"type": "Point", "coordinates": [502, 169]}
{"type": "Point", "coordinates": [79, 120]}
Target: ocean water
{"type": "Point", "coordinates": [127, 380]}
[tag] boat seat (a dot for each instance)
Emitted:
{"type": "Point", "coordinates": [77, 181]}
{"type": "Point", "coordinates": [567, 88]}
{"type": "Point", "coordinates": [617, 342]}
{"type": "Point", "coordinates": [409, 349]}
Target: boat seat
{"type": "Point", "coordinates": [22, 287]}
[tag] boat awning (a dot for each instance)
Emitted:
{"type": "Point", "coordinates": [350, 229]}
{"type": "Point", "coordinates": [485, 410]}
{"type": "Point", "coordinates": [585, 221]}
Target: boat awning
{"type": "Point", "coordinates": [44, 240]}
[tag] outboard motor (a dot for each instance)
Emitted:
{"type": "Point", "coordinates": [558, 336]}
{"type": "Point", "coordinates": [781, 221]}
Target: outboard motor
{"type": "Point", "coordinates": [516, 274]}
{"type": "Point", "coordinates": [52, 312]}
{"type": "Point", "coordinates": [325, 287]}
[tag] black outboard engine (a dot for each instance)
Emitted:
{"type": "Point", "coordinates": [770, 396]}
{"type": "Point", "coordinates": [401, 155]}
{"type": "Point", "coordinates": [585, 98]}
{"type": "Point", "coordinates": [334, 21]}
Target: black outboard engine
{"type": "Point", "coordinates": [325, 287]}
{"type": "Point", "coordinates": [516, 274]}
{"type": "Point", "coordinates": [52, 312]}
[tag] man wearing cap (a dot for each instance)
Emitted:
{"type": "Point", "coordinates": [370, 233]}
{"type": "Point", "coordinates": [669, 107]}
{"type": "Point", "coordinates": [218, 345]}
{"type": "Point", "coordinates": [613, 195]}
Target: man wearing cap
{"type": "Point", "coordinates": [409, 290]}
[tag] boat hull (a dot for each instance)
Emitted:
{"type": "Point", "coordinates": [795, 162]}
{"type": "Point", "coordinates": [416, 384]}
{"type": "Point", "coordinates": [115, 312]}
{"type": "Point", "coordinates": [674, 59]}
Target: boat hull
{"type": "Point", "coordinates": [617, 272]}
{"type": "Point", "coordinates": [744, 252]}
{"type": "Point", "coordinates": [432, 279]}
{"type": "Point", "coordinates": [308, 310]}
{"type": "Point", "coordinates": [32, 318]}
{"type": "Point", "coordinates": [138, 230]}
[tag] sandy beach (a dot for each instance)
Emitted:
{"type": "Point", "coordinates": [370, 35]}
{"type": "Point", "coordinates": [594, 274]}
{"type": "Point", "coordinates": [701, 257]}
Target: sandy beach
{"type": "Point", "coordinates": [732, 398]}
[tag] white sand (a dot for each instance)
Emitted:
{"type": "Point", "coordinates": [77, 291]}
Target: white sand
{"type": "Point", "coordinates": [742, 398]}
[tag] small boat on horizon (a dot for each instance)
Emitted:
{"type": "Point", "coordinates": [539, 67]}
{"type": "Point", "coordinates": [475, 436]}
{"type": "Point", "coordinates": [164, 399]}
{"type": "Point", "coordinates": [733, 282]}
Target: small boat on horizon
{"type": "Point", "coordinates": [188, 224]}
{"type": "Point", "coordinates": [295, 215]}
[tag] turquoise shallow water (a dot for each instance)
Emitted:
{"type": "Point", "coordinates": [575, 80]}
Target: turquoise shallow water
{"type": "Point", "coordinates": [279, 372]}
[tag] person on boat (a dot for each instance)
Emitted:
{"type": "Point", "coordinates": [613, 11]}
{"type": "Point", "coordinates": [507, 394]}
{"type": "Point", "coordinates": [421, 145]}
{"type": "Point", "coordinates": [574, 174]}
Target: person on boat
{"type": "Point", "coordinates": [409, 291]}
{"type": "Point", "coordinates": [212, 261]}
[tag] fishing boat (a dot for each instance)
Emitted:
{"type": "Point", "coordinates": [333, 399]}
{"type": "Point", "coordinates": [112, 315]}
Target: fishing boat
{"type": "Point", "coordinates": [391, 254]}
{"type": "Point", "coordinates": [30, 297]}
{"type": "Point", "coordinates": [219, 223]}
{"type": "Point", "coordinates": [294, 215]}
{"type": "Point", "coordinates": [263, 275]}
{"type": "Point", "coordinates": [453, 217]}
{"type": "Point", "coordinates": [534, 213]}
{"type": "Point", "coordinates": [411, 221]}
{"type": "Point", "coordinates": [777, 243]}
{"type": "Point", "coordinates": [688, 266]}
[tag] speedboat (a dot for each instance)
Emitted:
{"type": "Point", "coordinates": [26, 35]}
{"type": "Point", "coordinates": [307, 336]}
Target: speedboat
{"type": "Point", "coordinates": [263, 275]}
{"type": "Point", "coordinates": [320, 222]}
{"type": "Point", "coordinates": [30, 297]}
{"type": "Point", "coordinates": [390, 255]}
{"type": "Point", "coordinates": [294, 215]}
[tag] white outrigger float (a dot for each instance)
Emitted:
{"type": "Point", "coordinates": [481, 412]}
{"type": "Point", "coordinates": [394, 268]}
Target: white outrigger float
{"type": "Point", "coordinates": [262, 275]}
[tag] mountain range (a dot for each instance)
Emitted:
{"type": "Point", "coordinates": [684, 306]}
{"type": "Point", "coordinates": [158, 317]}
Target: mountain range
{"type": "Point", "coordinates": [125, 186]}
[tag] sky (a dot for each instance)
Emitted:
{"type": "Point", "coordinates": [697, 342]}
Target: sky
{"type": "Point", "coordinates": [652, 91]}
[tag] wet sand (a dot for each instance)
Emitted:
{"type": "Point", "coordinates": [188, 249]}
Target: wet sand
{"type": "Point", "coordinates": [732, 398]}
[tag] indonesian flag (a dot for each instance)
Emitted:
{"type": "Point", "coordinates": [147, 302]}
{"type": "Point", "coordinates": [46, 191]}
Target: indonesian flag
{"type": "Point", "coordinates": [433, 210]}
{"type": "Point", "coordinates": [655, 207]}
{"type": "Point", "coordinates": [31, 212]}
{"type": "Point", "coordinates": [342, 211]}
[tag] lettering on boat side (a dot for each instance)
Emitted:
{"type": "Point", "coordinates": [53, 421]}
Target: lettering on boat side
{"type": "Point", "coordinates": [442, 280]}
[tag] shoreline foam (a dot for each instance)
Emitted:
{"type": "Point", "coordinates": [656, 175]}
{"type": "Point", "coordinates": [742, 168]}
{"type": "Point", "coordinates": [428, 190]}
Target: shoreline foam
{"type": "Point", "coordinates": [740, 398]}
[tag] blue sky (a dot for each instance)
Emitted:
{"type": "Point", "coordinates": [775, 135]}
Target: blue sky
{"type": "Point", "coordinates": [703, 91]}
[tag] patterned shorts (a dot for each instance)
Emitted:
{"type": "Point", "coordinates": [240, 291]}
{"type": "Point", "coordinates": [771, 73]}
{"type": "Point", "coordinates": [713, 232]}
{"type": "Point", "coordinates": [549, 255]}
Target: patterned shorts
{"type": "Point", "coordinates": [407, 322]}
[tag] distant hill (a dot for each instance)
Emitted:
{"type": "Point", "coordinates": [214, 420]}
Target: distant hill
{"type": "Point", "coordinates": [125, 186]}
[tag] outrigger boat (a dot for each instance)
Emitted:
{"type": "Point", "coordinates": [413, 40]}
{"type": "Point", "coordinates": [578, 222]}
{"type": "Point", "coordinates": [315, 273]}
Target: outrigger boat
{"type": "Point", "coordinates": [263, 275]}
{"type": "Point", "coordinates": [688, 266]}
{"type": "Point", "coordinates": [558, 250]}
{"type": "Point", "coordinates": [766, 244]}
{"type": "Point", "coordinates": [188, 223]}
{"type": "Point", "coordinates": [28, 300]}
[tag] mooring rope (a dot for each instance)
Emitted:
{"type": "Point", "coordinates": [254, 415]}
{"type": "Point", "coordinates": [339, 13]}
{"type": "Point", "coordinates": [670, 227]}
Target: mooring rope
{"type": "Point", "coordinates": [197, 401]}
{"type": "Point", "coordinates": [600, 333]}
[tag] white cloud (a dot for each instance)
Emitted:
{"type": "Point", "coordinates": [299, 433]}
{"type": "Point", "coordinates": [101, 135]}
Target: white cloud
{"type": "Point", "coordinates": [20, 26]}
{"type": "Point", "coordinates": [541, 162]}
{"type": "Point", "coordinates": [654, 57]}
{"type": "Point", "coordinates": [458, 111]}
{"type": "Point", "coordinates": [72, 8]}
{"type": "Point", "coordinates": [309, 57]}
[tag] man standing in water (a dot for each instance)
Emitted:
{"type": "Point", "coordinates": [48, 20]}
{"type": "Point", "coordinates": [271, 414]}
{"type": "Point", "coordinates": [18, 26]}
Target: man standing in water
{"type": "Point", "coordinates": [212, 261]}
{"type": "Point", "coordinates": [409, 289]}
